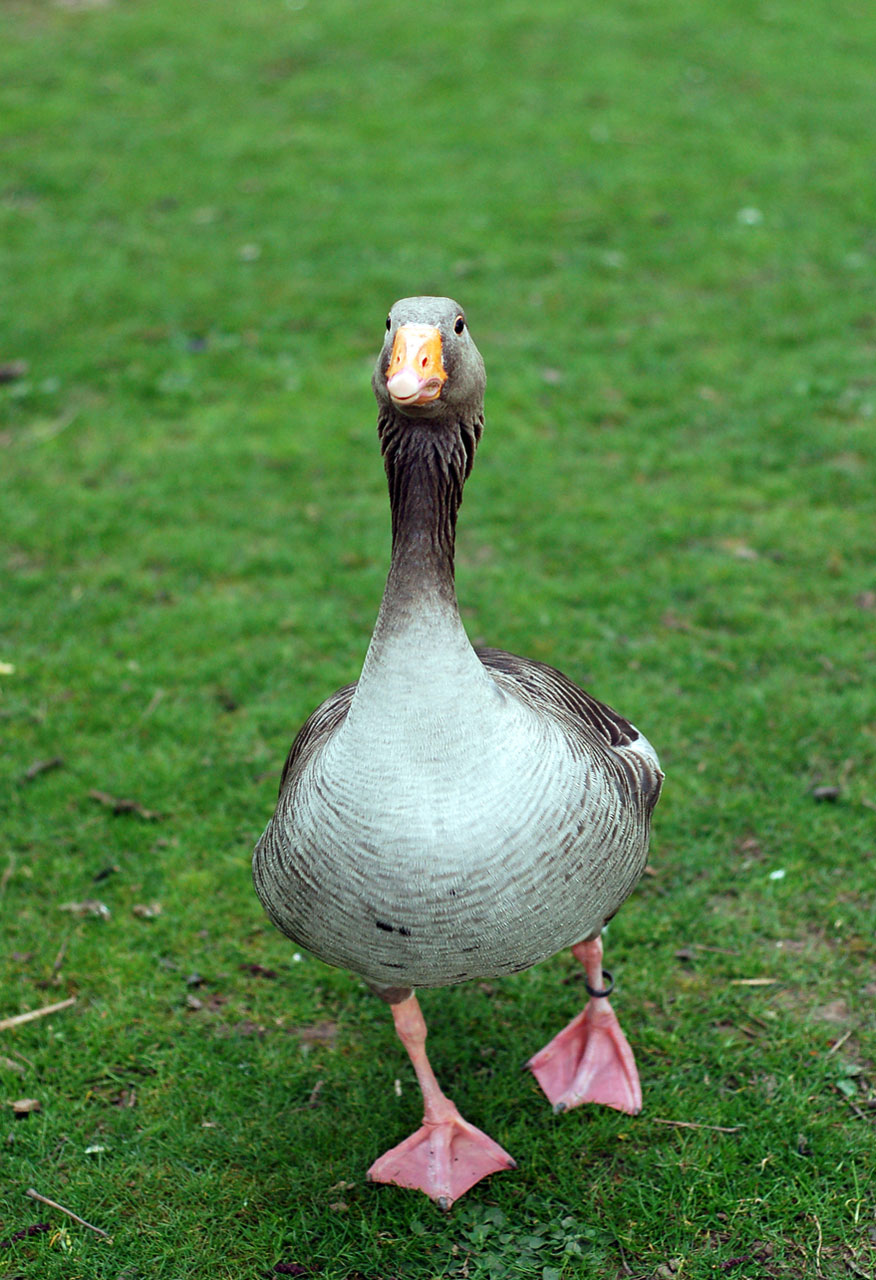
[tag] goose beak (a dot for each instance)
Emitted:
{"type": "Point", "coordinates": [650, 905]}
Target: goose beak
{"type": "Point", "coordinates": [416, 373]}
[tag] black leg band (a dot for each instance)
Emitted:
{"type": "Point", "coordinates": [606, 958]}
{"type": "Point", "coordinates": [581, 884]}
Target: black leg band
{"type": "Point", "coordinates": [609, 985]}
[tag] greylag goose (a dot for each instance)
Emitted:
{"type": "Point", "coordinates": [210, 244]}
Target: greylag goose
{"type": "Point", "coordinates": [456, 813]}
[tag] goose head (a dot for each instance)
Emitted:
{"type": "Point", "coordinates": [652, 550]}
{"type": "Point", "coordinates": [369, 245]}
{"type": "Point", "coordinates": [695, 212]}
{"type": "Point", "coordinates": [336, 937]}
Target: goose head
{"type": "Point", "coordinates": [429, 367]}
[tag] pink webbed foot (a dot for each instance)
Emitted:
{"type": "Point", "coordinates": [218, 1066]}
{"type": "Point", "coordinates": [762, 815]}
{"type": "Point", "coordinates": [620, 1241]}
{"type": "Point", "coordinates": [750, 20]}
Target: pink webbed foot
{"type": "Point", "coordinates": [444, 1159]}
{"type": "Point", "coordinates": [447, 1155]}
{"type": "Point", "coordinates": [590, 1060]}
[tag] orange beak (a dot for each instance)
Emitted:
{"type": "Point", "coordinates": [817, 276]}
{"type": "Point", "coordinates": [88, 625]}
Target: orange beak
{"type": "Point", "coordinates": [416, 372]}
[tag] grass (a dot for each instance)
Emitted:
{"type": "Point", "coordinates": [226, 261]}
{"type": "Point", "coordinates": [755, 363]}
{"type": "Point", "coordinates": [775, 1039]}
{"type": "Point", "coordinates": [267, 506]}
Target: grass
{"type": "Point", "coordinates": [659, 220]}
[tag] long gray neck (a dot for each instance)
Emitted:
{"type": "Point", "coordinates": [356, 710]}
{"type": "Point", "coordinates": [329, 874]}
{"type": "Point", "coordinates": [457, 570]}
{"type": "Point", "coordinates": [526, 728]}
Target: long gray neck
{"type": "Point", "coordinates": [422, 680]}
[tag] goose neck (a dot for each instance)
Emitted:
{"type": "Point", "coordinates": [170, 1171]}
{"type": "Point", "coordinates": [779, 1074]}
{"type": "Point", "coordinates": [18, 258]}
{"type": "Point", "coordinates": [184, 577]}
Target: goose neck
{"type": "Point", "coordinates": [426, 469]}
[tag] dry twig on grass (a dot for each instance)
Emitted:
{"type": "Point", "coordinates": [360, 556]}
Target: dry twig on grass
{"type": "Point", "coordinates": [17, 1019]}
{"type": "Point", "coordinates": [693, 1124]}
{"type": "Point", "coordinates": [120, 805]}
{"type": "Point", "coordinates": [53, 1204]}
{"type": "Point", "coordinates": [42, 766]}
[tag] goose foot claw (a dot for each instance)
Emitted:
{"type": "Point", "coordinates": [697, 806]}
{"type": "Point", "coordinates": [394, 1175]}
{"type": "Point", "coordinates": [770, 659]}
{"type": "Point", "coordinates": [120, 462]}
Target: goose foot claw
{"type": "Point", "coordinates": [444, 1159]}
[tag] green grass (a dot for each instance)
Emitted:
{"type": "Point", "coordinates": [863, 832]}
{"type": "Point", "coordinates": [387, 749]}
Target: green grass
{"type": "Point", "coordinates": [659, 219]}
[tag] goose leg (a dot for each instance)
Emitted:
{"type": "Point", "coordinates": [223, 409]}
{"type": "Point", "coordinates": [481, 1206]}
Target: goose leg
{"type": "Point", "coordinates": [590, 1060]}
{"type": "Point", "coordinates": [446, 1155]}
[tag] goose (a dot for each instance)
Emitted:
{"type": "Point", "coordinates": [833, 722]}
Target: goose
{"type": "Point", "coordinates": [457, 813]}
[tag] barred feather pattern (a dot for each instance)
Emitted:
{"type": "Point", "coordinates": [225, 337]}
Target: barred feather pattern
{"type": "Point", "coordinates": [421, 847]}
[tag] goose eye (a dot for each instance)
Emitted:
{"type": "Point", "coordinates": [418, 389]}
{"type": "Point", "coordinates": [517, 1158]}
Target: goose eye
{"type": "Point", "coordinates": [389, 322]}
{"type": "Point", "coordinates": [459, 324]}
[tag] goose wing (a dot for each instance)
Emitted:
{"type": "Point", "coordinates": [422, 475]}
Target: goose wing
{"type": "Point", "coordinates": [316, 730]}
{"type": "Point", "coordinates": [592, 722]}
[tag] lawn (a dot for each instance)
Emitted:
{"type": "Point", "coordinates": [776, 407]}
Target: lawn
{"type": "Point", "coordinates": [660, 221]}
